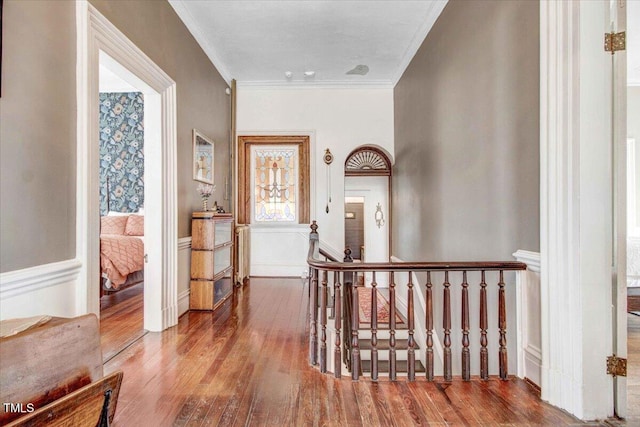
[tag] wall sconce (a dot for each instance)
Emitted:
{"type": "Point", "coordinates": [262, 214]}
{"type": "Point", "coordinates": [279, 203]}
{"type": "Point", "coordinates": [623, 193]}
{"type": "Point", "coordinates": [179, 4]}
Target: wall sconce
{"type": "Point", "coordinates": [379, 216]}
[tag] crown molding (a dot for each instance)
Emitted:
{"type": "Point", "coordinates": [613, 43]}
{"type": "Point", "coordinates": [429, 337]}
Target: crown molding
{"type": "Point", "coordinates": [331, 84]}
{"type": "Point", "coordinates": [183, 13]}
{"type": "Point", "coordinates": [436, 9]}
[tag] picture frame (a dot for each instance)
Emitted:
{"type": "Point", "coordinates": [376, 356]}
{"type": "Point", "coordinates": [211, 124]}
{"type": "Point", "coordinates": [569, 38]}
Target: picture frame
{"type": "Point", "coordinates": [203, 157]}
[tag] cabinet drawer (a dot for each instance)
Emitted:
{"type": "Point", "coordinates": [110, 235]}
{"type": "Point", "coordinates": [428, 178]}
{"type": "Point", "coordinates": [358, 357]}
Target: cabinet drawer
{"type": "Point", "coordinates": [223, 232]}
{"type": "Point", "coordinates": [222, 259]}
{"type": "Point", "coordinates": [201, 295]}
{"type": "Point", "coordinates": [201, 264]}
{"type": "Point", "coordinates": [202, 231]}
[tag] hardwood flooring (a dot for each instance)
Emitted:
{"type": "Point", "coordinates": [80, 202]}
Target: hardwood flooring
{"type": "Point", "coordinates": [247, 364]}
{"type": "Point", "coordinates": [121, 320]}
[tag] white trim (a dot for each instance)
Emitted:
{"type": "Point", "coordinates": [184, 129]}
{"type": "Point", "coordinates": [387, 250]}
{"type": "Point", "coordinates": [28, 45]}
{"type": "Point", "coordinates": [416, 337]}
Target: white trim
{"type": "Point", "coordinates": [532, 259]}
{"type": "Point", "coordinates": [437, 7]}
{"type": "Point", "coordinates": [185, 15]}
{"type": "Point", "coordinates": [619, 11]}
{"type": "Point", "coordinates": [184, 267]}
{"type": "Point", "coordinates": [331, 84]}
{"type": "Point", "coordinates": [184, 243]}
{"type": "Point", "coordinates": [575, 201]}
{"type": "Point", "coordinates": [559, 385]}
{"type": "Point", "coordinates": [183, 302]}
{"type": "Point", "coordinates": [95, 35]}
{"type": "Point", "coordinates": [18, 282]}
{"type": "Point", "coordinates": [532, 364]}
{"type": "Point", "coordinates": [528, 355]}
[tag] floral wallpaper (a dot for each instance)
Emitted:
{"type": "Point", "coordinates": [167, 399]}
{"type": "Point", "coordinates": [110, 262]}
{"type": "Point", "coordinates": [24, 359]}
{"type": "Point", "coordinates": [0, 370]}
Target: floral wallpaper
{"type": "Point", "coordinates": [121, 152]}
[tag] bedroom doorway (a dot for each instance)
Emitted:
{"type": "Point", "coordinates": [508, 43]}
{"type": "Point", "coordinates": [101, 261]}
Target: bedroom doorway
{"type": "Point", "coordinates": [121, 173]}
{"type": "Point", "coordinates": [99, 41]}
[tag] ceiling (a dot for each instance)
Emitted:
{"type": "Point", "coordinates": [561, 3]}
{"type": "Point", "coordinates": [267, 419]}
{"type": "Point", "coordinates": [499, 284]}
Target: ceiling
{"type": "Point", "coordinates": [256, 42]}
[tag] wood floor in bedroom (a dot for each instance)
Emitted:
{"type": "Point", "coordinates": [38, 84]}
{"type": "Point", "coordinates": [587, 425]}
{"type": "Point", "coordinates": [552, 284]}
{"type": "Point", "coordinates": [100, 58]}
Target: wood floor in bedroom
{"type": "Point", "coordinates": [247, 364]}
{"type": "Point", "coordinates": [121, 320]}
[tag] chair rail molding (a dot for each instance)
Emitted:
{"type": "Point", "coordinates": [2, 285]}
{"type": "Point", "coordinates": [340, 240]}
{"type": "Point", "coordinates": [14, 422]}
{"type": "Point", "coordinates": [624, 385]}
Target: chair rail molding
{"type": "Point", "coordinates": [18, 282]}
{"type": "Point", "coordinates": [47, 288]}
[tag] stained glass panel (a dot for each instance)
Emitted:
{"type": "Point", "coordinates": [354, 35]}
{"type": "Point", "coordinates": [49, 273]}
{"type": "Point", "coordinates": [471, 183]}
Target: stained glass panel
{"type": "Point", "coordinates": [275, 180]}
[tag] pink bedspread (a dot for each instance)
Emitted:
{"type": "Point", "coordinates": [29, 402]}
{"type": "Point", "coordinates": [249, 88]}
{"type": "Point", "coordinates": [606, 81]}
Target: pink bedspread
{"type": "Point", "coordinates": [119, 256]}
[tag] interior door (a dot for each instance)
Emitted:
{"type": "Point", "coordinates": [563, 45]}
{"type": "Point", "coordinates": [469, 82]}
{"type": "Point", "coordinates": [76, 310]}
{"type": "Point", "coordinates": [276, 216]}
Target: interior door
{"type": "Point", "coordinates": [618, 17]}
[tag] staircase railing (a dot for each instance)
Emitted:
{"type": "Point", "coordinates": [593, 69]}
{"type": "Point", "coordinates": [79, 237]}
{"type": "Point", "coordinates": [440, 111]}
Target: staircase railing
{"type": "Point", "coordinates": [340, 276]}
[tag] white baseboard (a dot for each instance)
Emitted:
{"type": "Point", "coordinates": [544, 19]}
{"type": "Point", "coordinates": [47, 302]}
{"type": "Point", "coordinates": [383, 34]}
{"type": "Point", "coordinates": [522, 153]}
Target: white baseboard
{"type": "Point", "coordinates": [274, 270]}
{"type": "Point", "coordinates": [533, 364]}
{"type": "Point", "coordinates": [184, 274]}
{"type": "Point", "coordinates": [183, 302]}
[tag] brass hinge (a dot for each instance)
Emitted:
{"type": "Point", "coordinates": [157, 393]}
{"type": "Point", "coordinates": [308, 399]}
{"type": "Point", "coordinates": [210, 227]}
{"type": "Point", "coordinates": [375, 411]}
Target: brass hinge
{"type": "Point", "coordinates": [614, 42]}
{"type": "Point", "coordinates": [616, 366]}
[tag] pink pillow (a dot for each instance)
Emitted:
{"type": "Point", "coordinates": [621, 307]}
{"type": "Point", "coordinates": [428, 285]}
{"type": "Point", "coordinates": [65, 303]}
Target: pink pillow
{"type": "Point", "coordinates": [135, 226]}
{"type": "Point", "coordinates": [113, 224]}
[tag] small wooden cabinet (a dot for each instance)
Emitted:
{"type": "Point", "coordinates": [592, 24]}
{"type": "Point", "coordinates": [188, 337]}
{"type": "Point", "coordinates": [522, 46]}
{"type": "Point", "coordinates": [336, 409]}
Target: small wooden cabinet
{"type": "Point", "coordinates": [211, 255]}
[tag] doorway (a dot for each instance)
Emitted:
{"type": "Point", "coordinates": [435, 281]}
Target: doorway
{"type": "Point", "coordinates": [122, 199]}
{"type": "Point", "coordinates": [367, 183]}
{"type": "Point", "coordinates": [100, 42]}
{"type": "Point", "coordinates": [354, 227]}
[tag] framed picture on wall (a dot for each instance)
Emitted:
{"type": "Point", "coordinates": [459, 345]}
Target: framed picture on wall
{"type": "Point", "coordinates": [202, 158]}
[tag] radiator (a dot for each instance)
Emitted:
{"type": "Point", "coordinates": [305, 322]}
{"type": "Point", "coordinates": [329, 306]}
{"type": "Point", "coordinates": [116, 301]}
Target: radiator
{"type": "Point", "coordinates": [243, 250]}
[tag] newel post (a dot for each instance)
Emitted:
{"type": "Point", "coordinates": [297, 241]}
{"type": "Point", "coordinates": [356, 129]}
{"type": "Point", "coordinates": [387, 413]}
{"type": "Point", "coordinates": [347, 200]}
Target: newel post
{"type": "Point", "coordinates": [313, 303]}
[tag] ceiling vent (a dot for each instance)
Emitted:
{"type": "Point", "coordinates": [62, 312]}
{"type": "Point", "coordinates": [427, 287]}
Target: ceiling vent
{"type": "Point", "coordinates": [359, 70]}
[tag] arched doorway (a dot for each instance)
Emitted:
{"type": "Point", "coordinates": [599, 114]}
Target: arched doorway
{"type": "Point", "coordinates": [367, 184]}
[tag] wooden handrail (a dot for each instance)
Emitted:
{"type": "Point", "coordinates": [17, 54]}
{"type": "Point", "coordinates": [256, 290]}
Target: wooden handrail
{"type": "Point", "coordinates": [346, 307]}
{"type": "Point", "coordinates": [314, 262]}
{"type": "Point", "coordinates": [327, 255]}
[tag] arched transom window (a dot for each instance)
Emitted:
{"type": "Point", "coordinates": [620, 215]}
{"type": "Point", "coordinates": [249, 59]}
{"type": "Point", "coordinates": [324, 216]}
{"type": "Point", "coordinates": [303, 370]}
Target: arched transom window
{"type": "Point", "coordinates": [367, 161]}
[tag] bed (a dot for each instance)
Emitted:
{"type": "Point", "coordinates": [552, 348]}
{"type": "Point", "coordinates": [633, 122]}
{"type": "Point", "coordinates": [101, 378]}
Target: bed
{"type": "Point", "coordinates": [121, 251]}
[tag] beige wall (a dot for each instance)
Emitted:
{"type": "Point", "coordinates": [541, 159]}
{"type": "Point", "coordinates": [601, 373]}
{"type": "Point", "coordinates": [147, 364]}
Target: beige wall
{"type": "Point", "coordinates": [155, 28]}
{"type": "Point", "coordinates": [38, 118]}
{"type": "Point", "coordinates": [467, 136]}
{"type": "Point", "coordinates": [37, 134]}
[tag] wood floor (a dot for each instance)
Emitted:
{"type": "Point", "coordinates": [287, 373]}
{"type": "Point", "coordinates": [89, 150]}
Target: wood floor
{"type": "Point", "coordinates": [246, 364]}
{"type": "Point", "coordinates": [121, 320]}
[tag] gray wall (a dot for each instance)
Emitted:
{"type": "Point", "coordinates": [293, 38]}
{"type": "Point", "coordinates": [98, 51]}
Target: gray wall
{"type": "Point", "coordinates": [155, 28]}
{"type": "Point", "coordinates": [466, 173]}
{"type": "Point", "coordinates": [38, 118]}
{"type": "Point", "coordinates": [37, 134]}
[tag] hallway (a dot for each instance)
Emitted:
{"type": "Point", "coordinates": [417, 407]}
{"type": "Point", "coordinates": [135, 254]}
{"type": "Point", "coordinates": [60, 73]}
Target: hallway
{"type": "Point", "coordinates": [247, 364]}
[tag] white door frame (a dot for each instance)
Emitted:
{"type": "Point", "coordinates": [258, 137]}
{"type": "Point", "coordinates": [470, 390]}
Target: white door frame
{"type": "Point", "coordinates": [576, 207]}
{"type": "Point", "coordinates": [96, 34]}
{"type": "Point", "coordinates": [619, 64]}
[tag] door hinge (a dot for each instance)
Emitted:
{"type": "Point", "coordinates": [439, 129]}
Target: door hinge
{"type": "Point", "coordinates": [614, 42]}
{"type": "Point", "coordinates": [616, 366]}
